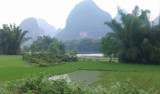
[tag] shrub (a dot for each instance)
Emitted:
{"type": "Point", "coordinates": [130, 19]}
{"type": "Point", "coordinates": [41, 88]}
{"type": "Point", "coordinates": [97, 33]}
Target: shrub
{"type": "Point", "coordinates": [42, 85]}
{"type": "Point", "coordinates": [47, 59]}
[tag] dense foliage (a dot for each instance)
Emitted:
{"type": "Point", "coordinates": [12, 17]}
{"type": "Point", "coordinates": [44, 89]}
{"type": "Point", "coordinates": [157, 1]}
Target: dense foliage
{"type": "Point", "coordinates": [73, 53]}
{"type": "Point", "coordinates": [47, 51]}
{"type": "Point", "coordinates": [83, 46]}
{"type": "Point", "coordinates": [42, 85]}
{"type": "Point", "coordinates": [45, 42]}
{"type": "Point", "coordinates": [135, 39]}
{"type": "Point", "coordinates": [11, 37]}
{"type": "Point", "coordinates": [33, 48]}
{"type": "Point", "coordinates": [44, 59]}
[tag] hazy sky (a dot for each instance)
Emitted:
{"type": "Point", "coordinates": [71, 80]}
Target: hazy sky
{"type": "Point", "coordinates": [55, 12]}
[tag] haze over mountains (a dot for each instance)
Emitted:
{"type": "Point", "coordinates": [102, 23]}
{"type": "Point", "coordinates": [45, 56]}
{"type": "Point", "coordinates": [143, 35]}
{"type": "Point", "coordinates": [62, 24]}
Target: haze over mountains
{"type": "Point", "coordinates": [36, 28]}
{"type": "Point", "coordinates": [156, 20]}
{"type": "Point", "coordinates": [86, 20]}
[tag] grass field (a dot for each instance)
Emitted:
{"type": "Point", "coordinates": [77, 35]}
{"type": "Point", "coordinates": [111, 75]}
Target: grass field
{"type": "Point", "coordinates": [143, 80]}
{"type": "Point", "coordinates": [143, 76]}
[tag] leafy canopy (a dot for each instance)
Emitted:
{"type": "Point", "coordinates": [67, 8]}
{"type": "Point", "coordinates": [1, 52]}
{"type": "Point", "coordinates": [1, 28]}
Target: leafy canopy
{"type": "Point", "coordinates": [11, 38]}
{"type": "Point", "coordinates": [135, 39]}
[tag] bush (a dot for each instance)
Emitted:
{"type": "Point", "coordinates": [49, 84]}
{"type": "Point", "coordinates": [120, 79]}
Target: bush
{"type": "Point", "coordinates": [47, 59]}
{"type": "Point", "coordinates": [42, 85]}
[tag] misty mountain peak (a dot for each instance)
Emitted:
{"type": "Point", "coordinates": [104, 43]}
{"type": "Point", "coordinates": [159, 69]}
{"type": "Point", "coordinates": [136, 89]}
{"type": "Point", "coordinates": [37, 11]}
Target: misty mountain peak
{"type": "Point", "coordinates": [157, 20]}
{"type": "Point", "coordinates": [86, 20]}
{"type": "Point", "coordinates": [37, 27]}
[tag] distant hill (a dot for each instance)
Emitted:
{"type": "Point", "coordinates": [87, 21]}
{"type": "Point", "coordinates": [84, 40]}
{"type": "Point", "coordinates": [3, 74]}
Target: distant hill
{"type": "Point", "coordinates": [86, 20]}
{"type": "Point", "coordinates": [37, 27]}
{"type": "Point", "coordinates": [156, 20]}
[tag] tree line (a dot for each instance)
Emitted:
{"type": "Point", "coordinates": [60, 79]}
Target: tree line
{"type": "Point", "coordinates": [47, 51]}
{"type": "Point", "coordinates": [85, 45]}
{"type": "Point", "coordinates": [47, 43]}
{"type": "Point", "coordinates": [135, 39]}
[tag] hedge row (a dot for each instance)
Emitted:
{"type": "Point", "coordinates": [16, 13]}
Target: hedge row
{"type": "Point", "coordinates": [46, 59]}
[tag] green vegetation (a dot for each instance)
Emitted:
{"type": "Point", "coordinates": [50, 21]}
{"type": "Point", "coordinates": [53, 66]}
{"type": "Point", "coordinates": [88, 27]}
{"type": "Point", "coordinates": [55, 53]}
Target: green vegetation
{"type": "Point", "coordinates": [53, 49]}
{"type": "Point", "coordinates": [134, 40]}
{"type": "Point", "coordinates": [13, 68]}
{"type": "Point", "coordinates": [48, 59]}
{"type": "Point", "coordinates": [109, 46]}
{"type": "Point", "coordinates": [85, 45]}
{"type": "Point", "coordinates": [47, 43]}
{"type": "Point", "coordinates": [11, 38]}
{"type": "Point", "coordinates": [42, 85]}
{"type": "Point", "coordinates": [73, 53]}
{"type": "Point", "coordinates": [142, 80]}
{"type": "Point", "coordinates": [33, 48]}
{"type": "Point", "coordinates": [50, 52]}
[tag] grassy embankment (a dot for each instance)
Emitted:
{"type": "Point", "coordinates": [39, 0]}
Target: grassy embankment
{"type": "Point", "coordinates": [143, 76]}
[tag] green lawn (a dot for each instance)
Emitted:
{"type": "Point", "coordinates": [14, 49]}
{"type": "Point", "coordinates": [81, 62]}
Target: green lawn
{"type": "Point", "coordinates": [144, 76]}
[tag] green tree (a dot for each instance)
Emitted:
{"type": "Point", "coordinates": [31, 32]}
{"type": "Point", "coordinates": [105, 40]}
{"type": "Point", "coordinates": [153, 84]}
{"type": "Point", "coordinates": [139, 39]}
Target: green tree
{"type": "Point", "coordinates": [53, 49]}
{"type": "Point", "coordinates": [109, 46]}
{"type": "Point", "coordinates": [33, 48]}
{"type": "Point", "coordinates": [61, 47]}
{"type": "Point", "coordinates": [136, 11]}
{"type": "Point", "coordinates": [73, 53]}
{"type": "Point", "coordinates": [136, 39]}
{"type": "Point", "coordinates": [11, 37]}
{"type": "Point", "coordinates": [26, 48]}
{"type": "Point", "coordinates": [43, 43]}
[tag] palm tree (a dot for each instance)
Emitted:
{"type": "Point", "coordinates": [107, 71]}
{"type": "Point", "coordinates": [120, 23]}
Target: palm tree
{"type": "Point", "coordinates": [130, 34]}
{"type": "Point", "coordinates": [11, 38]}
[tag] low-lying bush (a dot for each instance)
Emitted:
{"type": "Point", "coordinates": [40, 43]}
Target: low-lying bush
{"type": "Point", "coordinates": [42, 85]}
{"type": "Point", "coordinates": [46, 59]}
